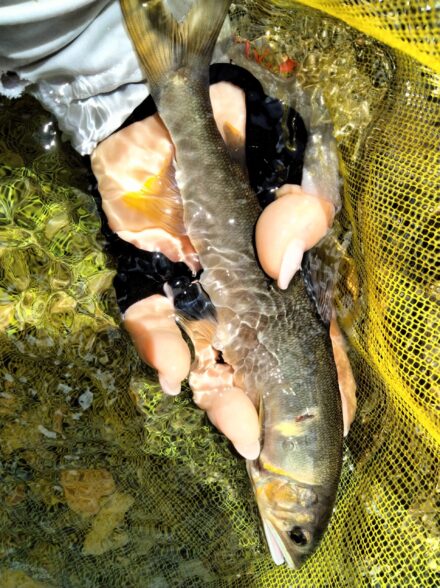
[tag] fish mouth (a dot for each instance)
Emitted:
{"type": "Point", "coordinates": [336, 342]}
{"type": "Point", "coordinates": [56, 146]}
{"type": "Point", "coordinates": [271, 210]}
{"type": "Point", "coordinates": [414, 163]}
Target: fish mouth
{"type": "Point", "coordinates": [290, 541]}
{"type": "Point", "coordinates": [293, 558]}
{"type": "Point", "coordinates": [276, 545]}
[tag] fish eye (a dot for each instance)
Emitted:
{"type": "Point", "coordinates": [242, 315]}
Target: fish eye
{"type": "Point", "coordinates": [298, 536]}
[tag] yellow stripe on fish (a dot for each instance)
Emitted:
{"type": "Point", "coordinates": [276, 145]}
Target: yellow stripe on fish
{"type": "Point", "coordinates": [307, 476]}
{"type": "Point", "coordinates": [276, 470]}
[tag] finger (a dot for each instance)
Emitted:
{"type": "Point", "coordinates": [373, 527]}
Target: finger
{"type": "Point", "coordinates": [229, 108]}
{"type": "Point", "coordinates": [233, 413]}
{"type": "Point", "coordinates": [175, 248]}
{"type": "Point", "coordinates": [347, 384]}
{"type": "Point", "coordinates": [229, 409]}
{"type": "Point", "coordinates": [125, 160]}
{"type": "Point", "coordinates": [290, 225]}
{"type": "Point", "coordinates": [158, 340]}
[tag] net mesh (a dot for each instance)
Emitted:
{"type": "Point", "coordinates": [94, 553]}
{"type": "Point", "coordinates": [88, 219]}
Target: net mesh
{"type": "Point", "coordinates": [107, 482]}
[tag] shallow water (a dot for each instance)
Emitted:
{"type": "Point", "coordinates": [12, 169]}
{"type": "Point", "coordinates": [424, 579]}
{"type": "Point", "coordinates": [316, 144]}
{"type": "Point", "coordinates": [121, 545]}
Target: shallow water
{"type": "Point", "coordinates": [160, 500]}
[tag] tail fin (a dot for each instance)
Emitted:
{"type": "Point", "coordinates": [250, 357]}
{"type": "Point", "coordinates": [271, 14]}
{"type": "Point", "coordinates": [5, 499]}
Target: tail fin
{"type": "Point", "coordinates": [165, 45]}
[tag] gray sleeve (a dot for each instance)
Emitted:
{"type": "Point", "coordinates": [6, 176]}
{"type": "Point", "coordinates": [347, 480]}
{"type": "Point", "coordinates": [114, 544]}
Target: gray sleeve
{"type": "Point", "coordinates": [77, 59]}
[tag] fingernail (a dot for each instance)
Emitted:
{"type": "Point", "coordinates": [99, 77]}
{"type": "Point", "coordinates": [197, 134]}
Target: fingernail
{"type": "Point", "coordinates": [248, 450]}
{"type": "Point", "coordinates": [172, 389]}
{"type": "Point", "coordinates": [290, 263]}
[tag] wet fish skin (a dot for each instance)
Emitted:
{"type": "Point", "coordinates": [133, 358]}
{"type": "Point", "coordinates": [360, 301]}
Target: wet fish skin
{"type": "Point", "coordinates": [275, 340]}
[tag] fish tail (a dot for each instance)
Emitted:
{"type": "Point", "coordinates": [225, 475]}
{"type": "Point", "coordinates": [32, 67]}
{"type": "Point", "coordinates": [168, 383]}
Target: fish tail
{"type": "Point", "coordinates": [166, 45]}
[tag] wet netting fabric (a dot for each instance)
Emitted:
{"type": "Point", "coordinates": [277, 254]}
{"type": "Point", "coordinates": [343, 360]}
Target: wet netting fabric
{"type": "Point", "coordinates": [105, 482]}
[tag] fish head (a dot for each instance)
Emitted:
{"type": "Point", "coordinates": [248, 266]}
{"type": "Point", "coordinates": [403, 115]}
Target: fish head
{"type": "Point", "coordinates": [294, 515]}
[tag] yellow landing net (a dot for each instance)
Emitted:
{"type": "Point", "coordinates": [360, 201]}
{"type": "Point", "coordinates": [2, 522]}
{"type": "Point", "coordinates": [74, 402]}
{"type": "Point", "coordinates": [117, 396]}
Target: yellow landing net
{"type": "Point", "coordinates": [107, 483]}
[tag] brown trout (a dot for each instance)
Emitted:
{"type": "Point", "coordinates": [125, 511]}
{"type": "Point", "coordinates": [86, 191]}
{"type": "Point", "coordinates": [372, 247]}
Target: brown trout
{"type": "Point", "coordinates": [275, 340]}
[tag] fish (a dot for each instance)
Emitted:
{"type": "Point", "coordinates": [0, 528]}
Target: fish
{"type": "Point", "coordinates": [276, 341]}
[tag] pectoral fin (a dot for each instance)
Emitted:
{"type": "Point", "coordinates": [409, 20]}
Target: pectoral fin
{"type": "Point", "coordinates": [320, 269]}
{"type": "Point", "coordinates": [159, 201]}
{"type": "Point", "coordinates": [235, 143]}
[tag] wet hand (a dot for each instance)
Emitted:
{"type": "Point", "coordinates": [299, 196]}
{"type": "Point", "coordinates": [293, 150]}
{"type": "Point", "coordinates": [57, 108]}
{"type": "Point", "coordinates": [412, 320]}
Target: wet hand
{"type": "Point", "coordinates": [151, 323]}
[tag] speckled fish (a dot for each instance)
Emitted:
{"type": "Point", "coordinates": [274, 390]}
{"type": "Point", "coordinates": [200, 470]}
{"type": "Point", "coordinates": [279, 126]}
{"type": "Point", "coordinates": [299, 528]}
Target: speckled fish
{"type": "Point", "coordinates": [275, 340]}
